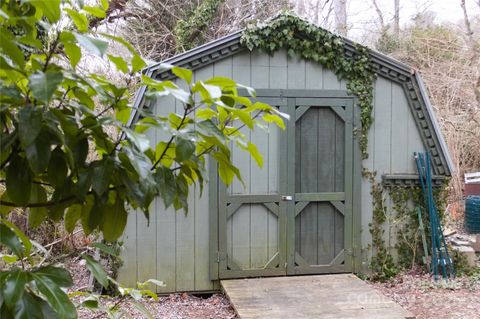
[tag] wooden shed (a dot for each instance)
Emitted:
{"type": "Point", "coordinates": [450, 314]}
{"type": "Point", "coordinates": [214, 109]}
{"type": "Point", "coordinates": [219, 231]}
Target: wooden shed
{"type": "Point", "coordinates": [308, 209]}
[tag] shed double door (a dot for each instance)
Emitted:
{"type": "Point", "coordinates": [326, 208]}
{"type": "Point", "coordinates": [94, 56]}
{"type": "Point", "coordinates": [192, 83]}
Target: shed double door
{"type": "Point", "coordinates": [293, 215]}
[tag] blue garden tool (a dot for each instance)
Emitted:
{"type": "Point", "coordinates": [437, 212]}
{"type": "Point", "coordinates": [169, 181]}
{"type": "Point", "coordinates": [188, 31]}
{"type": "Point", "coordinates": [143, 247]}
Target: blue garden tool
{"type": "Point", "coordinates": [440, 256]}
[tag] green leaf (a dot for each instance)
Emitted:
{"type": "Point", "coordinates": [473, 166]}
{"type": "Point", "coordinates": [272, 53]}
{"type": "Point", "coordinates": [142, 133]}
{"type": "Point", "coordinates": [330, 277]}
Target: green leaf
{"type": "Point", "coordinates": [55, 296]}
{"type": "Point", "coordinates": [28, 307]}
{"type": "Point", "coordinates": [84, 98]}
{"type": "Point", "coordinates": [15, 286]}
{"type": "Point", "coordinates": [95, 215]}
{"type": "Point", "coordinates": [4, 209]}
{"type": "Point", "coordinates": [124, 115]}
{"type": "Point", "coordinates": [205, 114]}
{"type": "Point", "coordinates": [166, 185]}
{"type": "Point", "coordinates": [79, 19]}
{"type": "Point", "coordinates": [27, 244]}
{"type": "Point", "coordinates": [59, 276]}
{"type": "Point", "coordinates": [73, 52]}
{"type": "Point", "coordinates": [221, 82]}
{"type": "Point", "coordinates": [114, 220]}
{"type": "Point", "coordinates": [137, 139]}
{"type": "Point", "coordinates": [166, 154]}
{"type": "Point", "coordinates": [72, 215]}
{"type": "Point", "coordinates": [94, 45]}
{"type": "Point", "coordinates": [210, 91]}
{"type": "Point", "coordinates": [208, 128]}
{"type": "Point", "coordinates": [241, 100]}
{"type": "Point", "coordinates": [80, 151]}
{"type": "Point", "coordinates": [253, 150]}
{"type": "Point", "coordinates": [156, 282]}
{"type": "Point", "coordinates": [102, 173]}
{"type": "Point", "coordinates": [9, 259]}
{"type": "Point", "coordinates": [184, 149]}
{"type": "Point", "coordinates": [19, 181]}
{"type": "Point", "coordinates": [37, 215]}
{"type": "Point", "coordinates": [97, 271]}
{"type": "Point", "coordinates": [57, 168]}
{"type": "Point", "coordinates": [179, 94]}
{"type": "Point", "coordinates": [183, 73]}
{"type": "Point", "coordinates": [9, 239]}
{"type": "Point", "coordinates": [95, 11]}
{"type": "Point", "coordinates": [137, 63]}
{"type": "Point", "coordinates": [105, 249]}
{"type": "Point", "coordinates": [8, 46]}
{"type": "Point", "coordinates": [244, 116]}
{"type": "Point", "coordinates": [105, 4]}
{"type": "Point", "coordinates": [29, 124]}
{"type": "Point", "coordinates": [272, 118]}
{"type": "Point", "coordinates": [6, 141]}
{"type": "Point", "coordinates": [51, 8]}
{"type": "Point", "coordinates": [90, 303]}
{"type": "Point", "coordinates": [43, 85]}
{"type": "Point", "coordinates": [250, 90]}
{"type": "Point", "coordinates": [86, 211]}
{"type": "Point", "coordinates": [226, 170]}
{"type": "Point", "coordinates": [38, 153]}
{"type": "Point", "coordinates": [119, 63]}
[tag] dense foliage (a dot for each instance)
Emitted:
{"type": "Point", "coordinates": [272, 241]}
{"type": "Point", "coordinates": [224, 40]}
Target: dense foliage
{"type": "Point", "coordinates": [189, 29]}
{"type": "Point", "coordinates": [68, 150]}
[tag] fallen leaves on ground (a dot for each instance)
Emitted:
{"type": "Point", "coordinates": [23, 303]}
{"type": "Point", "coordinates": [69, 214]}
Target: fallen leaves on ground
{"type": "Point", "coordinates": [418, 293]}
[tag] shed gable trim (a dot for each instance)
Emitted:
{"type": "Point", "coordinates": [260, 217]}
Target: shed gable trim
{"type": "Point", "coordinates": [382, 65]}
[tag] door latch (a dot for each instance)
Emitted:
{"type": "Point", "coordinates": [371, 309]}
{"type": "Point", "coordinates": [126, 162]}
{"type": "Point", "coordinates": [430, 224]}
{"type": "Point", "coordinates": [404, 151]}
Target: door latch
{"type": "Point", "coordinates": [287, 198]}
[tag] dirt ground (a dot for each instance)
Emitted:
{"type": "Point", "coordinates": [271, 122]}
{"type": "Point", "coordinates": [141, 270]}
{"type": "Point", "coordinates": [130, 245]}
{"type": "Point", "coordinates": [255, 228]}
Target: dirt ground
{"type": "Point", "coordinates": [414, 290]}
{"type": "Point", "coordinates": [417, 292]}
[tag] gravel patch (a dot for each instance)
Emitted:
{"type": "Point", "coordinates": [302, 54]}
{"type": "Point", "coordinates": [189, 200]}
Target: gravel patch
{"type": "Point", "coordinates": [174, 306]}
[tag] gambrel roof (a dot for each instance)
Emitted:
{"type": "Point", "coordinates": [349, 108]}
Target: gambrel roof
{"type": "Point", "coordinates": [383, 65]}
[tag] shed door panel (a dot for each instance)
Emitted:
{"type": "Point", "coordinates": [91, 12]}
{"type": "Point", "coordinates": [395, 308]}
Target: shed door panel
{"type": "Point", "coordinates": [320, 194]}
{"type": "Point", "coordinates": [251, 242]}
{"type": "Point", "coordinates": [293, 215]}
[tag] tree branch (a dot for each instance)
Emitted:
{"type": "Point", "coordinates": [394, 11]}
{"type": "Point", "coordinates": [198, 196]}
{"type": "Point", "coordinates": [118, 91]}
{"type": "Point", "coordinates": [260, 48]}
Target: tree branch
{"type": "Point", "coordinates": [185, 114]}
{"type": "Point", "coordinates": [47, 204]}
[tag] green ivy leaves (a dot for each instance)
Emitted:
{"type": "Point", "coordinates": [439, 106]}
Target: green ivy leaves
{"type": "Point", "coordinates": [299, 37]}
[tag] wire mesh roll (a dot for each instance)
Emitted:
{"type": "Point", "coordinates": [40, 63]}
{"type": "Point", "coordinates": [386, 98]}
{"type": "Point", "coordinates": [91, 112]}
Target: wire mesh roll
{"type": "Point", "coordinates": [472, 214]}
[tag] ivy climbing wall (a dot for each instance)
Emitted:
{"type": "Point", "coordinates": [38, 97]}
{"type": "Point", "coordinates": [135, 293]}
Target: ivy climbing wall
{"type": "Point", "coordinates": [392, 140]}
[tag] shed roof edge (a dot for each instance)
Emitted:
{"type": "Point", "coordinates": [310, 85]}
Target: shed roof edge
{"type": "Point", "coordinates": [436, 126]}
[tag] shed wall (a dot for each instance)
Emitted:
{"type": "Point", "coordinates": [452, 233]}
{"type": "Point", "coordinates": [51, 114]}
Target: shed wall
{"type": "Point", "coordinates": [174, 248]}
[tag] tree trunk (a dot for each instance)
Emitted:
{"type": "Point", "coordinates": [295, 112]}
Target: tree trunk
{"type": "Point", "coordinates": [381, 20]}
{"type": "Point", "coordinates": [341, 17]}
{"type": "Point", "coordinates": [396, 18]}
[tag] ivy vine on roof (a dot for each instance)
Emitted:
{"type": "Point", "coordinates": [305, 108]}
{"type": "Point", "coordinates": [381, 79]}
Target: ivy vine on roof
{"type": "Point", "coordinates": [300, 37]}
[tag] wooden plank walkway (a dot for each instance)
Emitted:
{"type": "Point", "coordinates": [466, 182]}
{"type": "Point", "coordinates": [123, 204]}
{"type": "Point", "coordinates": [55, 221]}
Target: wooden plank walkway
{"type": "Point", "coordinates": [320, 296]}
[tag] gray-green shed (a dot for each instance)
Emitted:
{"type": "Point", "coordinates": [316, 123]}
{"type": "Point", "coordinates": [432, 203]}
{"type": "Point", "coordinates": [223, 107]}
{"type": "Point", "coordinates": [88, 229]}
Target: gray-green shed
{"type": "Point", "coordinates": [307, 211]}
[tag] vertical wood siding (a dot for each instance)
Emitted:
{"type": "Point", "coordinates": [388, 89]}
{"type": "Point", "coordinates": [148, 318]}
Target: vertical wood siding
{"type": "Point", "coordinates": [319, 165]}
{"type": "Point", "coordinates": [392, 140]}
{"type": "Point", "coordinates": [174, 248]}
